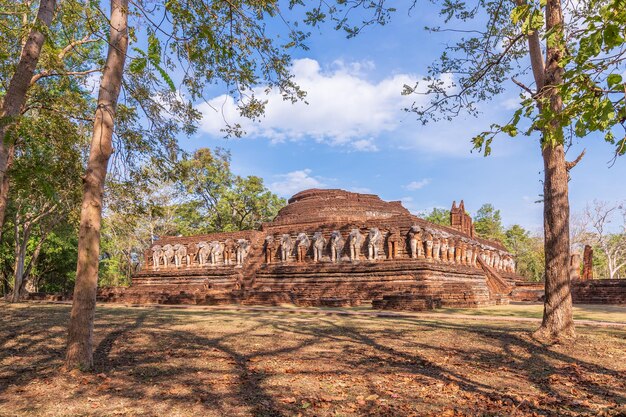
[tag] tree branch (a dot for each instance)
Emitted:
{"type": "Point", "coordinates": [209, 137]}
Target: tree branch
{"type": "Point", "coordinates": [572, 164]}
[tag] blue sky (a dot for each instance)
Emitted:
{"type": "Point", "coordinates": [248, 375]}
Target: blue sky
{"type": "Point", "coordinates": [354, 135]}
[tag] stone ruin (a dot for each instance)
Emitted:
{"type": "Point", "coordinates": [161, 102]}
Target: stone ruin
{"type": "Point", "coordinates": [329, 248]}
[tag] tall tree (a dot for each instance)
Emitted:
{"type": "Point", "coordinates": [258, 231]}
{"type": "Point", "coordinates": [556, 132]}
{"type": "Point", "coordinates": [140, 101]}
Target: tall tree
{"type": "Point", "coordinates": [15, 96]}
{"type": "Point", "coordinates": [45, 188]}
{"type": "Point", "coordinates": [80, 332]}
{"type": "Point", "coordinates": [229, 202]}
{"type": "Point", "coordinates": [569, 74]}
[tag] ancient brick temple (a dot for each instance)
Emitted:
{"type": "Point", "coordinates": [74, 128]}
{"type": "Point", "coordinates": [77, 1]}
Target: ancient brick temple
{"type": "Point", "coordinates": [329, 247]}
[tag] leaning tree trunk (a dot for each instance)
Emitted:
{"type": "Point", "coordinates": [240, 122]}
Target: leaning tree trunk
{"type": "Point", "coordinates": [557, 313]}
{"type": "Point", "coordinates": [16, 93]}
{"type": "Point", "coordinates": [80, 337]}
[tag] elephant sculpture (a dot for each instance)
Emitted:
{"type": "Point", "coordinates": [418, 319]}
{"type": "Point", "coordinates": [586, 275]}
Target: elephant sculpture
{"type": "Point", "coordinates": [355, 242]}
{"type": "Point", "coordinates": [241, 250]}
{"type": "Point", "coordinates": [286, 246]}
{"type": "Point", "coordinates": [180, 253]}
{"type": "Point", "coordinates": [270, 248]}
{"type": "Point", "coordinates": [203, 252]}
{"type": "Point", "coordinates": [229, 249]}
{"type": "Point", "coordinates": [428, 241]}
{"type": "Point", "coordinates": [216, 251]}
{"type": "Point", "coordinates": [302, 246]}
{"type": "Point", "coordinates": [436, 247]}
{"type": "Point", "coordinates": [444, 247]}
{"type": "Point", "coordinates": [157, 254]}
{"type": "Point", "coordinates": [373, 240]}
{"type": "Point", "coordinates": [168, 254]}
{"type": "Point", "coordinates": [415, 242]}
{"type": "Point", "coordinates": [336, 246]}
{"type": "Point", "coordinates": [319, 242]}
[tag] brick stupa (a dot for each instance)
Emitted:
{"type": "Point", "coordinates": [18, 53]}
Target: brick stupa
{"type": "Point", "coordinates": [332, 248]}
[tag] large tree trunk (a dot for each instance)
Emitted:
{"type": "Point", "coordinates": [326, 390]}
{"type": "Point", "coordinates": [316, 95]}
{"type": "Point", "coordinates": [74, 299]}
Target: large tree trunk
{"type": "Point", "coordinates": [16, 93]}
{"type": "Point", "coordinates": [557, 312]}
{"type": "Point", "coordinates": [20, 261]}
{"type": "Point", "coordinates": [80, 337]}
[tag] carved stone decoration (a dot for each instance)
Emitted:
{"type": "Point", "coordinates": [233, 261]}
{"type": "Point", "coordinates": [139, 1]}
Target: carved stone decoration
{"type": "Point", "coordinates": [458, 250]}
{"type": "Point", "coordinates": [286, 246]}
{"type": "Point", "coordinates": [415, 242]}
{"type": "Point", "coordinates": [319, 243]}
{"type": "Point", "coordinates": [336, 246]}
{"type": "Point", "coordinates": [428, 241]}
{"type": "Point", "coordinates": [495, 259]}
{"type": "Point", "coordinates": [180, 253]}
{"type": "Point", "coordinates": [204, 250]}
{"type": "Point", "coordinates": [451, 249]}
{"type": "Point", "coordinates": [270, 249]}
{"type": "Point", "coordinates": [463, 251]}
{"type": "Point", "coordinates": [486, 256]}
{"type": "Point", "coordinates": [157, 254]}
{"type": "Point", "coordinates": [168, 254]}
{"type": "Point", "coordinates": [216, 252]}
{"type": "Point", "coordinates": [241, 250]}
{"type": "Point", "coordinates": [356, 243]}
{"type": "Point", "coordinates": [374, 237]}
{"type": "Point", "coordinates": [393, 240]}
{"type": "Point", "coordinates": [475, 250]}
{"type": "Point", "coordinates": [469, 254]}
{"type": "Point", "coordinates": [303, 243]}
{"type": "Point", "coordinates": [436, 247]}
{"type": "Point", "coordinates": [444, 247]}
{"type": "Point", "coordinates": [229, 250]}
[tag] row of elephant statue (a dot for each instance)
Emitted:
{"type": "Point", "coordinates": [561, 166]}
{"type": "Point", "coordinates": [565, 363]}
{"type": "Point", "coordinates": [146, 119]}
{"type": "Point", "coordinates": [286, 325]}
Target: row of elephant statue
{"type": "Point", "coordinates": [419, 242]}
{"type": "Point", "coordinates": [203, 253]}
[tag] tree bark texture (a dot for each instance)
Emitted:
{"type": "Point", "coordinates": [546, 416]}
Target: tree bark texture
{"type": "Point", "coordinates": [557, 315]}
{"type": "Point", "coordinates": [80, 336]}
{"type": "Point", "coordinates": [16, 92]}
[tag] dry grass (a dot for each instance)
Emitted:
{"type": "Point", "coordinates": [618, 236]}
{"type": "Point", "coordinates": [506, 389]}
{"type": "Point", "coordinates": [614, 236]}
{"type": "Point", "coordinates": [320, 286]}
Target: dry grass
{"type": "Point", "coordinates": [158, 362]}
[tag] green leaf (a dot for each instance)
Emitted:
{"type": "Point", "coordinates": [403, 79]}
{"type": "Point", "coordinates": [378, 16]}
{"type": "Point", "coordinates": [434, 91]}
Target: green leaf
{"type": "Point", "coordinates": [614, 80]}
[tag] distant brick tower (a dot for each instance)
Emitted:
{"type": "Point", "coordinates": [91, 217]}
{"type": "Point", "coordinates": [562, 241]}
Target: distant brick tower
{"type": "Point", "coordinates": [460, 220]}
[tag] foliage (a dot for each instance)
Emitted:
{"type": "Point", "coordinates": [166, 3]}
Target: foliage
{"type": "Point", "coordinates": [228, 202]}
{"type": "Point", "coordinates": [199, 195]}
{"type": "Point", "coordinates": [437, 216]}
{"type": "Point", "coordinates": [528, 252]}
{"type": "Point", "coordinates": [488, 223]}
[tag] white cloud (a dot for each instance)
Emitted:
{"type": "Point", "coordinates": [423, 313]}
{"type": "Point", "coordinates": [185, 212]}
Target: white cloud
{"type": "Point", "coordinates": [365, 145]}
{"type": "Point", "coordinates": [417, 185]}
{"type": "Point", "coordinates": [294, 182]}
{"type": "Point", "coordinates": [344, 108]}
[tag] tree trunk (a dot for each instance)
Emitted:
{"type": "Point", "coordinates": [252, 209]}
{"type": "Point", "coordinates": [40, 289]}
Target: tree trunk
{"type": "Point", "coordinates": [80, 337]}
{"type": "Point", "coordinates": [16, 92]}
{"type": "Point", "coordinates": [20, 260]}
{"type": "Point", "coordinates": [4, 188]}
{"type": "Point", "coordinates": [557, 313]}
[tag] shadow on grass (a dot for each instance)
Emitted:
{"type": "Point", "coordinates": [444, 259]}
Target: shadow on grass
{"type": "Point", "coordinates": [211, 359]}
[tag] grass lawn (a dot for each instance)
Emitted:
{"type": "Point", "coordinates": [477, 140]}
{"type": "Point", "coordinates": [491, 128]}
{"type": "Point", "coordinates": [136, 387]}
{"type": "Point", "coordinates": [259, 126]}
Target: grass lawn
{"type": "Point", "coordinates": [166, 362]}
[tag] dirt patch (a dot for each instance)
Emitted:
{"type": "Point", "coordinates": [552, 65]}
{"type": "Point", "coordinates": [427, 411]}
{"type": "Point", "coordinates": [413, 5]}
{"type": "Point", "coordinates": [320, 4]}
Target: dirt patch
{"type": "Point", "coordinates": [155, 362]}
